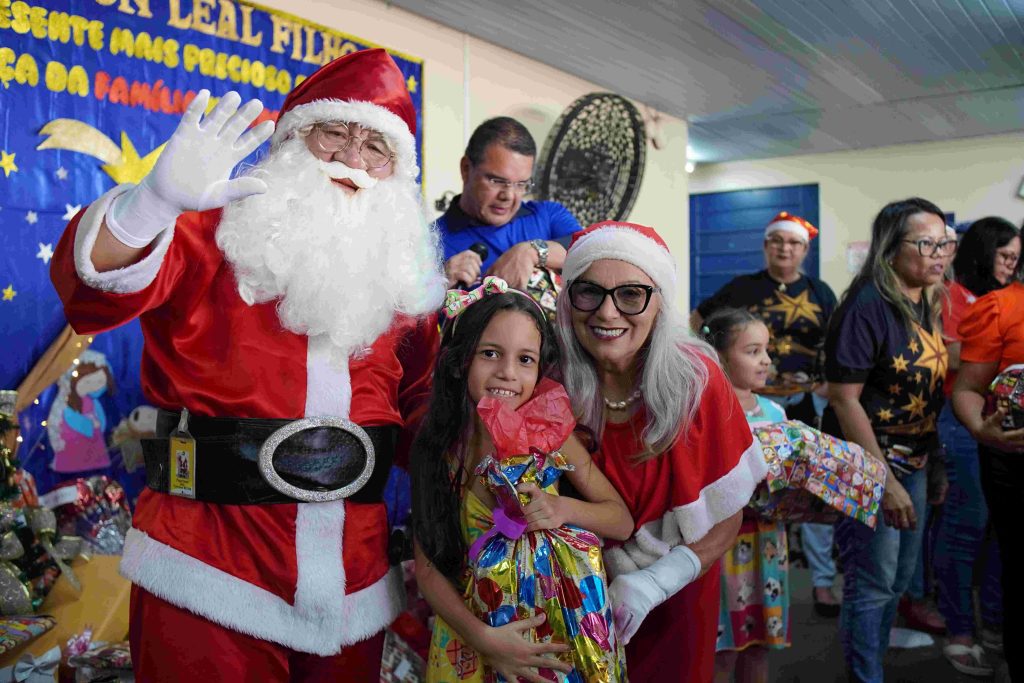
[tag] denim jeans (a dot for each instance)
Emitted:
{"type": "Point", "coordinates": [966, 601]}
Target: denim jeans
{"type": "Point", "coordinates": [878, 565]}
{"type": "Point", "coordinates": [817, 543]}
{"type": "Point", "coordinates": [960, 535]}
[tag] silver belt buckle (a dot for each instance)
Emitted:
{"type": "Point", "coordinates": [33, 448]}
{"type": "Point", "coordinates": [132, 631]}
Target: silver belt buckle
{"type": "Point", "coordinates": [270, 475]}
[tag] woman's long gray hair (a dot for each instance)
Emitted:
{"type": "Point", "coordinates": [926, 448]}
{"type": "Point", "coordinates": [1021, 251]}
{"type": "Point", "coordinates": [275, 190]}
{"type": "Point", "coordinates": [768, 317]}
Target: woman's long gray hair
{"type": "Point", "coordinates": [672, 376]}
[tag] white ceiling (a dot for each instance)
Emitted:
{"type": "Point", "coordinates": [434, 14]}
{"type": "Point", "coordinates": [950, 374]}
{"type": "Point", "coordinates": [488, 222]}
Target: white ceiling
{"type": "Point", "coordinates": [764, 78]}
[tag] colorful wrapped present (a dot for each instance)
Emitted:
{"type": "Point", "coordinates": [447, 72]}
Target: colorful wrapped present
{"type": "Point", "coordinates": [814, 477]}
{"type": "Point", "coordinates": [94, 509]}
{"type": "Point", "coordinates": [516, 574]}
{"type": "Point", "coordinates": [1007, 392]}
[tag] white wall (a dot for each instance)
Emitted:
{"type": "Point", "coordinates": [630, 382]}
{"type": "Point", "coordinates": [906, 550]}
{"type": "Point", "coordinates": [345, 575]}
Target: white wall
{"type": "Point", "coordinates": [972, 178]}
{"type": "Point", "coordinates": [499, 82]}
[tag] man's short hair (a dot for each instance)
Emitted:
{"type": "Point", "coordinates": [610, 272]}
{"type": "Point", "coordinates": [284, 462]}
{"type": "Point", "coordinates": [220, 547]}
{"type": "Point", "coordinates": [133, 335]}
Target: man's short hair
{"type": "Point", "coordinates": [503, 130]}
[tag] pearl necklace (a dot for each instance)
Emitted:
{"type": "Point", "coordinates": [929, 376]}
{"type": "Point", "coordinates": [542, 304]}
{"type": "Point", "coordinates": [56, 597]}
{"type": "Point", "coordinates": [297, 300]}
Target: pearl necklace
{"type": "Point", "coordinates": [623, 404]}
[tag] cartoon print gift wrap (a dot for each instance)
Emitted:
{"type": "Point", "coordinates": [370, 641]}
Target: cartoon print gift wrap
{"type": "Point", "coordinates": [815, 477]}
{"type": "Point", "coordinates": [1007, 393]}
{"type": "Point", "coordinates": [516, 574]}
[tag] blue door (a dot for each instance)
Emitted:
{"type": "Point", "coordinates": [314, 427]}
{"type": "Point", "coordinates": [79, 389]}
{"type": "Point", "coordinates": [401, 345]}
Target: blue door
{"type": "Point", "coordinates": [727, 233]}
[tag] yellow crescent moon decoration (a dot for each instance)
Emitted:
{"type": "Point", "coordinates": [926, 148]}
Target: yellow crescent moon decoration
{"type": "Point", "coordinates": [123, 164]}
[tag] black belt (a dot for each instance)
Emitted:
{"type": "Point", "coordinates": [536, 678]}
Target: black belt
{"type": "Point", "coordinates": [227, 469]}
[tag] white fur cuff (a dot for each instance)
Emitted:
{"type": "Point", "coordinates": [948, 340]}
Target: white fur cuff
{"type": "Point", "coordinates": [723, 498]}
{"type": "Point", "coordinates": [127, 280]}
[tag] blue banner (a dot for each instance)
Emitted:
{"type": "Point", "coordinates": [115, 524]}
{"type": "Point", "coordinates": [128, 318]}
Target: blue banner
{"type": "Point", "coordinates": [90, 91]}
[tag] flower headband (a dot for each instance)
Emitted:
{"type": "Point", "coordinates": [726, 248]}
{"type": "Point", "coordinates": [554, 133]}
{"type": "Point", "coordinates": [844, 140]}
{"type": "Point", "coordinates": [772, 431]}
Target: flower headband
{"type": "Point", "coordinates": [457, 300]}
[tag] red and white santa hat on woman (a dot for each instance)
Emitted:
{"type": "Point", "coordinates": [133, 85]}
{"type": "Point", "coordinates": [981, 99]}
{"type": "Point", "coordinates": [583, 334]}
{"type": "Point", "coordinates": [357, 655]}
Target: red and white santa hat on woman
{"type": "Point", "coordinates": [364, 87]}
{"type": "Point", "coordinates": [793, 225]}
{"type": "Point", "coordinates": [636, 244]}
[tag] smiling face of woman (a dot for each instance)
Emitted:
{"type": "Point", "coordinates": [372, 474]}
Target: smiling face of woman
{"type": "Point", "coordinates": [1006, 261]}
{"type": "Point", "coordinates": [612, 338]}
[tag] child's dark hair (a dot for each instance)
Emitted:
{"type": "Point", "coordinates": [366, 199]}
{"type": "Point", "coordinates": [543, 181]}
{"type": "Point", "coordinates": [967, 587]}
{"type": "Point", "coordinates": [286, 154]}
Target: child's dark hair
{"type": "Point", "coordinates": [438, 453]}
{"type": "Point", "coordinates": [722, 326]}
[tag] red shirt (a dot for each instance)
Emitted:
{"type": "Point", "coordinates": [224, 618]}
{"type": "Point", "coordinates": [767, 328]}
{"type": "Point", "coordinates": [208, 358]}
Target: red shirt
{"type": "Point", "coordinates": [960, 299]}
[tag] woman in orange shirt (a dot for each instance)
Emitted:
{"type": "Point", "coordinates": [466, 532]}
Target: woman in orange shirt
{"type": "Point", "coordinates": [992, 339]}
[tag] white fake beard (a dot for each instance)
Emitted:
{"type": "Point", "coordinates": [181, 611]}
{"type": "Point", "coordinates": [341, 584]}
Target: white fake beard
{"type": "Point", "coordinates": [341, 265]}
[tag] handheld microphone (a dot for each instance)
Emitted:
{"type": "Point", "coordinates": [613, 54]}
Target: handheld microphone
{"type": "Point", "coordinates": [480, 249]}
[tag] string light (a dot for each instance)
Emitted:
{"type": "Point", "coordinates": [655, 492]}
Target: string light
{"type": "Point", "coordinates": [74, 373]}
{"type": "Point", "coordinates": [43, 423]}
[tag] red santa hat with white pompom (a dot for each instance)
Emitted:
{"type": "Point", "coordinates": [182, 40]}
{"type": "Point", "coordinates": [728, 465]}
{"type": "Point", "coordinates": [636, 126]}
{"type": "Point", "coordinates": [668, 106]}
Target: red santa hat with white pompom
{"type": "Point", "coordinates": [793, 225]}
{"type": "Point", "coordinates": [364, 87]}
{"type": "Point", "coordinates": [636, 244]}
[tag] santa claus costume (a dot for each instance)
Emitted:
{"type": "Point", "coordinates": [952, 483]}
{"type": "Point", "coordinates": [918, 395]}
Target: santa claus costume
{"type": "Point", "coordinates": [677, 496]}
{"type": "Point", "coordinates": [285, 590]}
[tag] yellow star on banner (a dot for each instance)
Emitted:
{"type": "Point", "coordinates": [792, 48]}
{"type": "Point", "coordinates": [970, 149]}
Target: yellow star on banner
{"type": "Point", "coordinates": [918, 377]}
{"type": "Point", "coordinates": [899, 363]}
{"type": "Point", "coordinates": [884, 414]}
{"type": "Point", "coordinates": [9, 293]}
{"type": "Point", "coordinates": [7, 163]}
{"type": "Point", "coordinates": [914, 348]}
{"type": "Point", "coordinates": [917, 405]}
{"type": "Point", "coordinates": [933, 355]}
{"type": "Point", "coordinates": [796, 307]}
{"type": "Point", "coordinates": [894, 389]}
{"type": "Point", "coordinates": [411, 83]}
{"type": "Point", "coordinates": [131, 168]}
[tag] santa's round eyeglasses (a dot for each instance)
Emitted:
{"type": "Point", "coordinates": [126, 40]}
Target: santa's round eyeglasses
{"type": "Point", "coordinates": [333, 138]}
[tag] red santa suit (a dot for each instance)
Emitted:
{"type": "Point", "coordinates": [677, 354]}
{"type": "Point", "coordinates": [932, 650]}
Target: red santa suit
{"type": "Point", "coordinates": [312, 577]}
{"type": "Point", "coordinates": [706, 477]}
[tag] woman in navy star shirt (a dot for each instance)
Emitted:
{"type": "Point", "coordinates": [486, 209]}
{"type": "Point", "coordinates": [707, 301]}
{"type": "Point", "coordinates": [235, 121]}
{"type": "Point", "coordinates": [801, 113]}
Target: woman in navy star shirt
{"type": "Point", "coordinates": [885, 362]}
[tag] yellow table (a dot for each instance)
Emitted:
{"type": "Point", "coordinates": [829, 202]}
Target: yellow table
{"type": "Point", "coordinates": [102, 604]}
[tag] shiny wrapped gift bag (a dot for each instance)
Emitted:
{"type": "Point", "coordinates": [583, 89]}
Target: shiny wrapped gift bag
{"type": "Point", "coordinates": [815, 477]}
{"type": "Point", "coordinates": [516, 574]}
{"type": "Point", "coordinates": [1007, 392]}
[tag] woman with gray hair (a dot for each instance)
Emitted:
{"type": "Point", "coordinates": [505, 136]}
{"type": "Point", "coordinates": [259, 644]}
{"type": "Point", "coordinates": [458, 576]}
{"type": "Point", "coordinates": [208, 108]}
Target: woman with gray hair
{"type": "Point", "coordinates": [671, 437]}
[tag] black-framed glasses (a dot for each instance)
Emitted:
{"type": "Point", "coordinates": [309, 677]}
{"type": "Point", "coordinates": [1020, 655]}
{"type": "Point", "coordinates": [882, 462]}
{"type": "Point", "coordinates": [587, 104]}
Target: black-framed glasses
{"type": "Point", "coordinates": [519, 187]}
{"type": "Point", "coordinates": [933, 248]}
{"type": "Point", "coordinates": [1008, 258]}
{"type": "Point", "coordinates": [336, 137]}
{"type": "Point", "coordinates": [588, 296]}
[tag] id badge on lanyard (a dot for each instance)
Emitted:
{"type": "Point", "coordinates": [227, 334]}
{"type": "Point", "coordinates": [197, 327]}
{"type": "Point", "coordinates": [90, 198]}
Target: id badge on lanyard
{"type": "Point", "coordinates": [182, 460]}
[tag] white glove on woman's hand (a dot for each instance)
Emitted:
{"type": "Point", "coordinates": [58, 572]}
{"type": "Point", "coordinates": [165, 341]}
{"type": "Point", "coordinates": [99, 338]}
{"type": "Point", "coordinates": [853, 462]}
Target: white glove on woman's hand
{"type": "Point", "coordinates": [635, 594]}
{"type": "Point", "coordinates": [193, 172]}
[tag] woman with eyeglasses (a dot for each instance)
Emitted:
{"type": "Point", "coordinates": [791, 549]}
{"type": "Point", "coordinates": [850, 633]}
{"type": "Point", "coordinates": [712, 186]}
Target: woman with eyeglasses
{"type": "Point", "coordinates": [992, 340]}
{"type": "Point", "coordinates": [796, 308]}
{"type": "Point", "coordinates": [885, 363]}
{"type": "Point", "coordinates": [671, 437]}
{"type": "Point", "coordinates": [987, 259]}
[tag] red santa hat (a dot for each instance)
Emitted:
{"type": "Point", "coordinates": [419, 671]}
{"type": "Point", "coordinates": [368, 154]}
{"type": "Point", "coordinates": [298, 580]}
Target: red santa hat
{"type": "Point", "coordinates": [636, 244]}
{"type": "Point", "coordinates": [364, 87]}
{"type": "Point", "coordinates": [794, 225]}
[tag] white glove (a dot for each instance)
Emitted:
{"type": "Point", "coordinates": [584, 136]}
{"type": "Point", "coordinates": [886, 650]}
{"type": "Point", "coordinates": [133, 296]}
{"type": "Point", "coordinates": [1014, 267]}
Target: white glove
{"type": "Point", "coordinates": [635, 594]}
{"type": "Point", "coordinates": [193, 172]}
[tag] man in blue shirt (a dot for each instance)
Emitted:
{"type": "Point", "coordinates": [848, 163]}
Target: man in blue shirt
{"type": "Point", "coordinates": [520, 235]}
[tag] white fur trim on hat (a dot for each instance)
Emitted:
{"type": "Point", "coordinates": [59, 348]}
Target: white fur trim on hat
{"type": "Point", "coordinates": [623, 244]}
{"type": "Point", "coordinates": [792, 227]}
{"type": "Point", "coordinates": [365, 114]}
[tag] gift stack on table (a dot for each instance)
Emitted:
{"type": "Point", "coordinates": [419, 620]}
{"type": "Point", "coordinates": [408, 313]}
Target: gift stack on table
{"type": "Point", "coordinates": [815, 477]}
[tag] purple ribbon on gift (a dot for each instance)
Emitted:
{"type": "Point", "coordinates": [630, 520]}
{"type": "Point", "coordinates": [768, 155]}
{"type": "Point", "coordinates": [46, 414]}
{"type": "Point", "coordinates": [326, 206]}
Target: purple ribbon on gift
{"type": "Point", "coordinates": [503, 524]}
